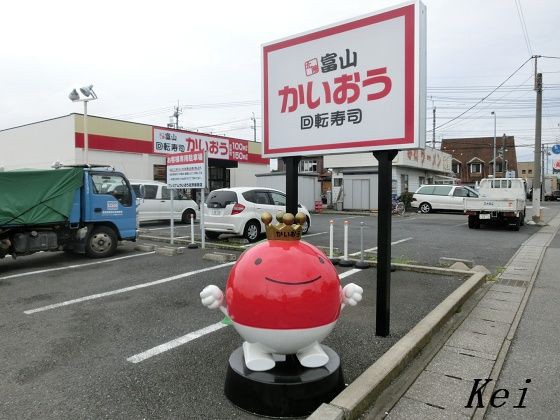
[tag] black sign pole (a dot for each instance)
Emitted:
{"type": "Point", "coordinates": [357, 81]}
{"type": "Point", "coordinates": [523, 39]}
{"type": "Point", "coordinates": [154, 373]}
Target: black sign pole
{"type": "Point", "coordinates": [291, 163]}
{"type": "Point", "coordinates": [383, 305]}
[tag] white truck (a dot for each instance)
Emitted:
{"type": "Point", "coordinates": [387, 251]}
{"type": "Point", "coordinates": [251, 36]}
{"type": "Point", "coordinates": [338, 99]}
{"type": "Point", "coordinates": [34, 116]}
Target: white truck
{"type": "Point", "coordinates": [501, 200]}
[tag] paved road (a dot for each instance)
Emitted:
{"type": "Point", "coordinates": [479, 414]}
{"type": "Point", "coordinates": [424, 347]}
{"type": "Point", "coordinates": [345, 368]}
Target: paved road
{"type": "Point", "coordinates": [72, 361]}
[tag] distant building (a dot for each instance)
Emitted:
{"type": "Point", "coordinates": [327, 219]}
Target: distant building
{"type": "Point", "coordinates": [472, 158]}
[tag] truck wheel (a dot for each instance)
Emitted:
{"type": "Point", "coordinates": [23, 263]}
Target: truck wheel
{"type": "Point", "coordinates": [425, 208]}
{"type": "Point", "coordinates": [101, 243]}
{"type": "Point", "coordinates": [252, 231]}
{"type": "Point", "coordinates": [186, 217]}
{"type": "Point", "coordinates": [522, 219]}
{"type": "Point", "coordinates": [474, 222]}
{"type": "Point", "coordinates": [515, 226]}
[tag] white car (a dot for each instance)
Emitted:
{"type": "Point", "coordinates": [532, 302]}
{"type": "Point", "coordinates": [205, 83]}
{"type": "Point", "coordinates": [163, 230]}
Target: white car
{"type": "Point", "coordinates": [155, 202]}
{"type": "Point", "coordinates": [238, 211]}
{"type": "Point", "coordinates": [441, 197]}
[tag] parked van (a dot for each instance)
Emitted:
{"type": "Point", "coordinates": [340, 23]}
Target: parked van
{"type": "Point", "coordinates": [441, 197]}
{"type": "Point", "coordinates": [155, 202]}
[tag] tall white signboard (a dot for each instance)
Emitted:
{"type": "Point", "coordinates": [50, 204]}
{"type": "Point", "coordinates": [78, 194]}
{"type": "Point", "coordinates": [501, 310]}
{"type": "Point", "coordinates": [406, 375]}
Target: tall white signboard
{"type": "Point", "coordinates": [354, 86]}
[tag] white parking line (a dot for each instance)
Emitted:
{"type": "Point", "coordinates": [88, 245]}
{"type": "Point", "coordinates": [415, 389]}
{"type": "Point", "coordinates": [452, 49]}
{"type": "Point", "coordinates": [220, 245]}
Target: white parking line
{"type": "Point", "coordinates": [140, 357]}
{"type": "Point", "coordinates": [313, 234]}
{"type": "Point", "coordinates": [460, 224]}
{"type": "Point", "coordinates": [29, 273]}
{"type": "Point", "coordinates": [125, 289]}
{"type": "Point", "coordinates": [162, 348]}
{"type": "Point", "coordinates": [375, 248]}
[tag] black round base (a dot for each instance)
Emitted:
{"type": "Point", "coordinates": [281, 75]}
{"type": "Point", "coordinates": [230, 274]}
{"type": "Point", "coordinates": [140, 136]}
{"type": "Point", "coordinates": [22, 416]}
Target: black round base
{"type": "Point", "coordinates": [362, 264]}
{"type": "Point", "coordinates": [287, 390]}
{"type": "Point", "coordinates": [345, 263]}
{"type": "Point", "coordinates": [192, 246]}
{"type": "Point", "coordinates": [334, 261]}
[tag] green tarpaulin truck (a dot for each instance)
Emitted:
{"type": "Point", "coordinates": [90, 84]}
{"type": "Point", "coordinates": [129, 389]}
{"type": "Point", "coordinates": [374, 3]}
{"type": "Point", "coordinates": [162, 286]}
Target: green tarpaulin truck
{"type": "Point", "coordinates": [84, 209]}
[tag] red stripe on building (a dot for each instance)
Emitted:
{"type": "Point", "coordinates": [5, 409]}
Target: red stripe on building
{"type": "Point", "coordinates": [119, 144]}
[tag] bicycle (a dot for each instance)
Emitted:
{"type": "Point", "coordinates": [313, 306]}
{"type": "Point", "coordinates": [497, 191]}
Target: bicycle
{"type": "Point", "coordinates": [397, 207]}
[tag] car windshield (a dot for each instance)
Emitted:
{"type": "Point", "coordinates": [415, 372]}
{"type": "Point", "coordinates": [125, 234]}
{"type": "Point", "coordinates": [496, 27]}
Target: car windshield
{"type": "Point", "coordinates": [220, 199]}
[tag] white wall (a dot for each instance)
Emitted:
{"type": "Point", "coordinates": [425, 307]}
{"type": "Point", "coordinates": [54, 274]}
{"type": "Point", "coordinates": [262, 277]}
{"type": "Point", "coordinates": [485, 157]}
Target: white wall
{"type": "Point", "coordinates": [309, 189]}
{"type": "Point", "coordinates": [244, 175]}
{"type": "Point", "coordinates": [38, 145]}
{"type": "Point", "coordinates": [133, 165]}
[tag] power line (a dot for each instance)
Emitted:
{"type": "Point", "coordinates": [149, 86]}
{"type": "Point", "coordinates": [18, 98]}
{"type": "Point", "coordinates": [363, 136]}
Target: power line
{"type": "Point", "coordinates": [482, 100]}
{"type": "Point", "coordinates": [523, 26]}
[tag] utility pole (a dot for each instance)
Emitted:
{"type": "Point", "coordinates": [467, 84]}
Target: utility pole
{"type": "Point", "coordinates": [254, 127]}
{"type": "Point", "coordinates": [178, 111]}
{"type": "Point", "coordinates": [504, 161]}
{"type": "Point", "coordinates": [433, 125]}
{"type": "Point", "coordinates": [537, 170]}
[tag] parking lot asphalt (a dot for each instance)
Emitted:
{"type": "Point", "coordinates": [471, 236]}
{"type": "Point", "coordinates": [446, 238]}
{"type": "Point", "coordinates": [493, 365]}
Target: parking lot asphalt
{"type": "Point", "coordinates": [71, 328]}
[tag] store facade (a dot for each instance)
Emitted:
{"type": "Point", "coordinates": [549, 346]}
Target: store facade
{"type": "Point", "coordinates": [136, 149]}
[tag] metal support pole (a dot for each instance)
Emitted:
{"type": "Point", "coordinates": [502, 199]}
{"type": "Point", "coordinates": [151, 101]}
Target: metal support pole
{"type": "Point", "coordinates": [291, 163]}
{"type": "Point", "coordinates": [192, 245]}
{"type": "Point", "coordinates": [345, 262]}
{"type": "Point", "coordinates": [494, 152]}
{"type": "Point", "coordinates": [203, 234]}
{"type": "Point", "coordinates": [331, 243]}
{"type": "Point", "coordinates": [362, 263]}
{"type": "Point", "coordinates": [171, 192]}
{"type": "Point", "coordinates": [86, 140]}
{"type": "Point", "coordinates": [383, 307]}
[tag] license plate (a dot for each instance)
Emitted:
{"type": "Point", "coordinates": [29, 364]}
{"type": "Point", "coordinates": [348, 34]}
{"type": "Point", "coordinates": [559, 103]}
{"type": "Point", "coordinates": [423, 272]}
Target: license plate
{"type": "Point", "coordinates": [484, 216]}
{"type": "Point", "coordinates": [216, 212]}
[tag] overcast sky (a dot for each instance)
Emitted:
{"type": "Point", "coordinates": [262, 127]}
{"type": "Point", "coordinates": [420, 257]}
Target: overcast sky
{"type": "Point", "coordinates": [144, 58]}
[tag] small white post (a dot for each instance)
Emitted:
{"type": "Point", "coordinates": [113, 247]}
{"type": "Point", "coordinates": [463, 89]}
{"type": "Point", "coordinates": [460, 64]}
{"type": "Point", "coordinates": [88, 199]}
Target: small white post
{"type": "Point", "coordinates": [346, 240]}
{"type": "Point", "coordinates": [192, 245]}
{"type": "Point", "coordinates": [172, 217]}
{"type": "Point", "coordinates": [331, 240]}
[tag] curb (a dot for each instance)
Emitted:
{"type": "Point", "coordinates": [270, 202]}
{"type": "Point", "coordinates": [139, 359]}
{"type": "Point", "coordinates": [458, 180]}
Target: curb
{"type": "Point", "coordinates": [361, 393]}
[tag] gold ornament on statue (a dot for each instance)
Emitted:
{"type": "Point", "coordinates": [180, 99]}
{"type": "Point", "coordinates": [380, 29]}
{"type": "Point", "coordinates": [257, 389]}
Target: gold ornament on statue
{"type": "Point", "coordinates": [289, 228]}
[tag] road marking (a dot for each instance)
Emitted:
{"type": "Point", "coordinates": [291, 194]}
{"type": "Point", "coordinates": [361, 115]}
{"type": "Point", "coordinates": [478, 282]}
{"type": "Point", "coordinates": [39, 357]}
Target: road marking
{"type": "Point", "coordinates": [375, 248]}
{"type": "Point", "coordinates": [140, 357]}
{"type": "Point", "coordinates": [162, 348]}
{"type": "Point", "coordinates": [313, 234]}
{"type": "Point", "coordinates": [29, 273]}
{"type": "Point", "coordinates": [406, 219]}
{"type": "Point", "coordinates": [347, 218]}
{"type": "Point", "coordinates": [125, 289]}
{"type": "Point", "coordinates": [460, 224]}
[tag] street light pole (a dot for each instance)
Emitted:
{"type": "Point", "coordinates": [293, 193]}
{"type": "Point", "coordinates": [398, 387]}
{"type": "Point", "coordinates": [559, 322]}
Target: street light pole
{"type": "Point", "coordinates": [494, 153]}
{"type": "Point", "coordinates": [89, 95]}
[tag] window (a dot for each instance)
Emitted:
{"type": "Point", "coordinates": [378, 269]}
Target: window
{"type": "Point", "coordinates": [261, 197]}
{"type": "Point", "coordinates": [428, 189]}
{"type": "Point", "coordinates": [523, 171]}
{"type": "Point", "coordinates": [278, 199]}
{"type": "Point", "coordinates": [456, 167]}
{"type": "Point", "coordinates": [165, 195]}
{"type": "Point", "coordinates": [150, 192]}
{"type": "Point", "coordinates": [114, 185]}
{"type": "Point", "coordinates": [220, 199]}
{"type": "Point", "coordinates": [308, 166]}
{"type": "Point", "coordinates": [530, 171]}
{"type": "Point", "coordinates": [404, 183]}
{"type": "Point", "coordinates": [499, 166]}
{"type": "Point", "coordinates": [337, 182]}
{"type": "Point", "coordinates": [421, 180]}
{"type": "Point", "coordinates": [476, 167]}
{"type": "Point", "coordinates": [442, 189]}
{"type": "Point", "coordinates": [460, 192]}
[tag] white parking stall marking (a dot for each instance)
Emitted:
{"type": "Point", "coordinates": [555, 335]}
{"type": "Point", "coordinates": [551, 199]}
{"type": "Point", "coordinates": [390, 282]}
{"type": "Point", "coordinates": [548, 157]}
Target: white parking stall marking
{"type": "Point", "coordinates": [125, 289]}
{"type": "Point", "coordinates": [67, 267]}
{"type": "Point", "coordinates": [375, 248]}
{"type": "Point", "coordinates": [460, 224]}
{"type": "Point", "coordinates": [313, 234]}
{"type": "Point", "coordinates": [162, 348]}
{"type": "Point", "coordinates": [405, 219]}
{"type": "Point", "coordinates": [140, 357]}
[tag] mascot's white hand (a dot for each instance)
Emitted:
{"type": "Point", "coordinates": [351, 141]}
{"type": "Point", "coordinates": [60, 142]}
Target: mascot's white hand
{"type": "Point", "coordinates": [212, 297]}
{"type": "Point", "coordinates": [352, 294]}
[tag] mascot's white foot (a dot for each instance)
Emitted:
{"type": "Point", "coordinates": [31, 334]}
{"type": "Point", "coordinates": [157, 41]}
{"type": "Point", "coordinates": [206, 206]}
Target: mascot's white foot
{"type": "Point", "coordinates": [257, 357]}
{"type": "Point", "coordinates": [313, 356]}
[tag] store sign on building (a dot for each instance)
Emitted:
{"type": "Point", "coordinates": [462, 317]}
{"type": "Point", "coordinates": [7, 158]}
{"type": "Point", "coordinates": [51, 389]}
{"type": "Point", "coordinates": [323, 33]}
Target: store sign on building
{"type": "Point", "coordinates": [427, 159]}
{"type": "Point", "coordinates": [186, 170]}
{"type": "Point", "coordinates": [168, 141]}
{"type": "Point", "coordinates": [351, 87]}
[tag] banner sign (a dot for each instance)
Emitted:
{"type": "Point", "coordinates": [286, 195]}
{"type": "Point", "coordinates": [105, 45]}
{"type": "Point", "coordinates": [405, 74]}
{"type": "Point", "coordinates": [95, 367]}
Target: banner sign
{"type": "Point", "coordinates": [170, 141]}
{"type": "Point", "coordinates": [556, 149]}
{"type": "Point", "coordinates": [556, 165]}
{"type": "Point", "coordinates": [355, 86]}
{"type": "Point", "coordinates": [186, 170]}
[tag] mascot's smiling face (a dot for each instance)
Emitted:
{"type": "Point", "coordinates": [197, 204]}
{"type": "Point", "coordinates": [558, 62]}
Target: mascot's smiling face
{"type": "Point", "coordinates": [283, 285]}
